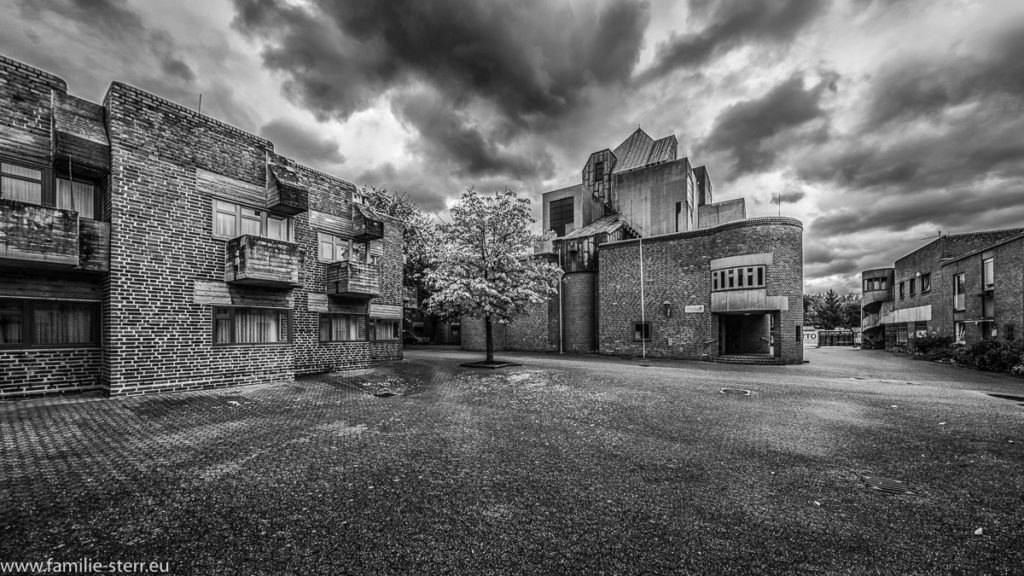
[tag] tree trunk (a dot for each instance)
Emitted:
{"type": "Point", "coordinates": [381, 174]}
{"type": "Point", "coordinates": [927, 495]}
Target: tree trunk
{"type": "Point", "coordinates": [489, 338]}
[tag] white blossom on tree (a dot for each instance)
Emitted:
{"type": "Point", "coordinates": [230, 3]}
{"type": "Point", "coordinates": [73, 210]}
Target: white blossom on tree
{"type": "Point", "coordinates": [482, 267]}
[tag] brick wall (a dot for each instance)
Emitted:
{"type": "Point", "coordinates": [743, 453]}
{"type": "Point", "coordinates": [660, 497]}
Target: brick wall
{"type": "Point", "coordinates": [1008, 293]}
{"type": "Point", "coordinates": [55, 370]}
{"type": "Point", "coordinates": [579, 298]}
{"type": "Point", "coordinates": [677, 271]}
{"type": "Point", "coordinates": [26, 113]}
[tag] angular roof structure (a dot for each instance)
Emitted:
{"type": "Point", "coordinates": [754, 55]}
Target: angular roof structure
{"type": "Point", "coordinates": [641, 150]}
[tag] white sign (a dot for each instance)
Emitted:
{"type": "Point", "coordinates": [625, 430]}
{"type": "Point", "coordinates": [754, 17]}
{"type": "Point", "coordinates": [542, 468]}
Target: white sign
{"type": "Point", "coordinates": [810, 337]}
{"type": "Point", "coordinates": [693, 309]}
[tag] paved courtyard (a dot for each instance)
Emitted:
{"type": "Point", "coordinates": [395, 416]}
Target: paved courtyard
{"type": "Point", "coordinates": [583, 465]}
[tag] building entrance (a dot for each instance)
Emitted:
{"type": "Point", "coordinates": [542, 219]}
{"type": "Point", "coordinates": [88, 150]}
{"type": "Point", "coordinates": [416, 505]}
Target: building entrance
{"type": "Point", "coordinates": [748, 333]}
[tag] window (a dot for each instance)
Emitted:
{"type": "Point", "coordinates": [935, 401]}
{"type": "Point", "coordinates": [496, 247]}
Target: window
{"type": "Point", "coordinates": [926, 283]}
{"type": "Point", "coordinates": [77, 196]}
{"type": "Point", "coordinates": [250, 326]}
{"type": "Point", "coordinates": [743, 277]}
{"type": "Point", "coordinates": [342, 327]}
{"type": "Point", "coordinates": [231, 220]}
{"type": "Point", "coordinates": [875, 284]}
{"type": "Point", "coordinates": [560, 215]}
{"type": "Point", "coordinates": [959, 297]}
{"type": "Point", "coordinates": [913, 286]}
{"type": "Point", "coordinates": [332, 248]}
{"type": "Point", "coordinates": [598, 171]}
{"type": "Point", "coordinates": [960, 332]}
{"type": "Point", "coordinates": [1010, 331]}
{"type": "Point", "coordinates": [384, 329]}
{"type": "Point", "coordinates": [903, 290]}
{"type": "Point", "coordinates": [989, 273]}
{"type": "Point", "coordinates": [21, 183]}
{"type": "Point", "coordinates": [34, 323]}
{"type": "Point", "coordinates": [642, 331]}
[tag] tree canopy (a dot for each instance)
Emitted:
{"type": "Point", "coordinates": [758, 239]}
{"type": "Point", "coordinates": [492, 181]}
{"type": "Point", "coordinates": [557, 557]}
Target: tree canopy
{"type": "Point", "coordinates": [482, 266]}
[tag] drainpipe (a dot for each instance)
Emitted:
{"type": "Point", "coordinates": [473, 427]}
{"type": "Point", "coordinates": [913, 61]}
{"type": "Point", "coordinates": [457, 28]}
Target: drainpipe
{"type": "Point", "coordinates": [561, 316]}
{"type": "Point", "coordinates": [643, 318]}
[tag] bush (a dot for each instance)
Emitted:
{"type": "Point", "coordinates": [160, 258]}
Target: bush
{"type": "Point", "coordinates": [992, 355]}
{"type": "Point", "coordinates": [931, 347]}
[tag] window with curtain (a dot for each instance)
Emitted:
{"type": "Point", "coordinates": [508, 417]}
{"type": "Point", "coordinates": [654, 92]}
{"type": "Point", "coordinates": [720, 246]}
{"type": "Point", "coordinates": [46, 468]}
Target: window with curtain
{"type": "Point", "coordinates": [42, 323]}
{"type": "Point", "coordinates": [21, 183]}
{"type": "Point", "coordinates": [250, 326]}
{"type": "Point", "coordinates": [231, 220]}
{"type": "Point", "coordinates": [333, 248]}
{"type": "Point", "coordinates": [341, 327]}
{"type": "Point", "coordinates": [77, 196]}
{"type": "Point", "coordinates": [381, 329]}
{"type": "Point", "coordinates": [959, 293]}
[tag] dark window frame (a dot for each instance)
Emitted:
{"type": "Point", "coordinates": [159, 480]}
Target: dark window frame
{"type": "Point", "coordinates": [926, 283]}
{"type": "Point", "coordinates": [330, 315]}
{"type": "Point", "coordinates": [960, 290]}
{"type": "Point", "coordinates": [558, 207]}
{"type": "Point", "coordinates": [643, 328]}
{"type": "Point", "coordinates": [48, 188]}
{"type": "Point", "coordinates": [739, 278]}
{"type": "Point", "coordinates": [371, 329]}
{"type": "Point", "coordinates": [231, 313]}
{"type": "Point", "coordinates": [28, 305]}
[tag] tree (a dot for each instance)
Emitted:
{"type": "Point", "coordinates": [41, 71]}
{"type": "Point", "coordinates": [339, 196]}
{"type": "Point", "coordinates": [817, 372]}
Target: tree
{"type": "Point", "coordinates": [482, 266]}
{"type": "Point", "coordinates": [418, 235]}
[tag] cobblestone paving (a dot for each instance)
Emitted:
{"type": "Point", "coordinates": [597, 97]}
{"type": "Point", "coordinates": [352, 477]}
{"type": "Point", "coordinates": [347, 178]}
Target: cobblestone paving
{"type": "Point", "coordinates": [595, 466]}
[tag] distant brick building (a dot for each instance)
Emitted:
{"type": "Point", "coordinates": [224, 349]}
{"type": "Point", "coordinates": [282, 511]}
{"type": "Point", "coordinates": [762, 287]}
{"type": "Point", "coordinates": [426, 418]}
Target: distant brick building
{"type": "Point", "coordinates": [967, 286]}
{"type": "Point", "coordinates": [715, 285]}
{"type": "Point", "coordinates": [145, 247]}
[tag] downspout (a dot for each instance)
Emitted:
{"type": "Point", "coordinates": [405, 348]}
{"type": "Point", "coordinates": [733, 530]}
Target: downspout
{"type": "Point", "coordinates": [561, 317]}
{"type": "Point", "coordinates": [643, 318]}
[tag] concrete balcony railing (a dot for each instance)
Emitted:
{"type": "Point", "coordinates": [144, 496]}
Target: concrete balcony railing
{"type": "Point", "coordinates": [258, 261]}
{"type": "Point", "coordinates": [349, 278]}
{"type": "Point", "coordinates": [38, 236]}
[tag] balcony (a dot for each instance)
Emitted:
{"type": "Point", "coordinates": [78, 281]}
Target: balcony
{"type": "Point", "coordinates": [257, 261]}
{"type": "Point", "coordinates": [366, 224]}
{"type": "Point", "coordinates": [349, 278]}
{"type": "Point", "coordinates": [38, 236]}
{"type": "Point", "coordinates": [285, 192]}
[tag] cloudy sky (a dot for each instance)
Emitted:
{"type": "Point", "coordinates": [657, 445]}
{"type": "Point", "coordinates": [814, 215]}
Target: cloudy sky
{"type": "Point", "coordinates": [877, 123]}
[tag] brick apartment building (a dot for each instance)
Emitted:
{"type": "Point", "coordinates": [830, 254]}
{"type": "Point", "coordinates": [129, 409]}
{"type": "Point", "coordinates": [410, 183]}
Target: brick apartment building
{"type": "Point", "coordinates": [968, 286]}
{"type": "Point", "coordinates": [654, 266]}
{"type": "Point", "coordinates": [146, 247]}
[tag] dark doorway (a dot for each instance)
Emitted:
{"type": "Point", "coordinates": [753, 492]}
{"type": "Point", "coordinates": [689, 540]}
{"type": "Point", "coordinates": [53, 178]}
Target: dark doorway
{"type": "Point", "coordinates": [745, 333]}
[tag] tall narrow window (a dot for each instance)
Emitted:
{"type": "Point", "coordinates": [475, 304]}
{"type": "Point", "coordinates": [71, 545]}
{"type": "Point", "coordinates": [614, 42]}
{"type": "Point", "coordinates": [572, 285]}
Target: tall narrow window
{"type": "Point", "coordinates": [903, 290]}
{"type": "Point", "coordinates": [560, 214]}
{"type": "Point", "coordinates": [21, 183]}
{"type": "Point", "coordinates": [913, 286]}
{"type": "Point", "coordinates": [989, 273]}
{"type": "Point", "coordinates": [598, 171]}
{"type": "Point", "coordinates": [926, 283]}
{"type": "Point", "coordinates": [960, 332]}
{"type": "Point", "coordinates": [959, 297]}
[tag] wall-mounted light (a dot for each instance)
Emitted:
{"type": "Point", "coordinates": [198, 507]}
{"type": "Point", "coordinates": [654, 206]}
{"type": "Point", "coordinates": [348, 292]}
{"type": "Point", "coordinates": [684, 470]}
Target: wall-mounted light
{"type": "Point", "coordinates": [668, 308]}
{"type": "Point", "coordinates": [918, 275]}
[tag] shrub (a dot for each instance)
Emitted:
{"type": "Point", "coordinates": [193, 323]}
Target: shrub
{"type": "Point", "coordinates": [991, 355]}
{"type": "Point", "coordinates": [931, 347]}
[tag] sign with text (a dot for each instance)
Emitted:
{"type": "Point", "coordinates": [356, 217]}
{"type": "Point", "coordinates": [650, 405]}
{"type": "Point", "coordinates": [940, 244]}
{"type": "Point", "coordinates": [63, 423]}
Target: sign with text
{"type": "Point", "coordinates": [693, 308]}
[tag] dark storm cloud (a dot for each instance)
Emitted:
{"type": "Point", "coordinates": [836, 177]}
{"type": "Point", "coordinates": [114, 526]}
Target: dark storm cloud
{"type": "Point", "coordinates": [917, 87]}
{"type": "Point", "coordinates": [449, 135]}
{"type": "Point", "coordinates": [732, 23]}
{"type": "Point", "coordinates": [527, 64]}
{"type": "Point", "coordinates": [419, 185]}
{"type": "Point", "coordinates": [294, 140]}
{"type": "Point", "coordinates": [745, 132]}
{"type": "Point", "coordinates": [527, 59]}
